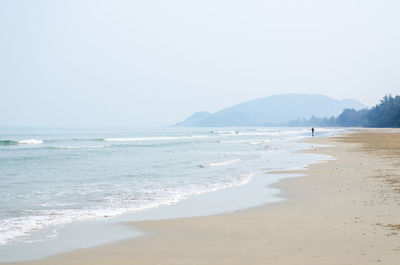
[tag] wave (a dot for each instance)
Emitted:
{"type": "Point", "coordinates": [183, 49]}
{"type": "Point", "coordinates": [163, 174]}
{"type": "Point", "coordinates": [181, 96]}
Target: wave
{"type": "Point", "coordinates": [222, 163]}
{"type": "Point", "coordinates": [254, 142]}
{"type": "Point", "coordinates": [15, 142]}
{"type": "Point", "coordinates": [20, 228]}
{"type": "Point", "coordinates": [239, 133]}
{"type": "Point", "coordinates": [223, 133]}
{"type": "Point", "coordinates": [166, 138]}
{"type": "Point", "coordinates": [275, 133]}
{"type": "Point", "coordinates": [269, 132]}
{"type": "Point", "coordinates": [30, 141]}
{"type": "Point", "coordinates": [81, 147]}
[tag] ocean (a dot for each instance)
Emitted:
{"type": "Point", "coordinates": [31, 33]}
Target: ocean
{"type": "Point", "coordinates": [50, 178]}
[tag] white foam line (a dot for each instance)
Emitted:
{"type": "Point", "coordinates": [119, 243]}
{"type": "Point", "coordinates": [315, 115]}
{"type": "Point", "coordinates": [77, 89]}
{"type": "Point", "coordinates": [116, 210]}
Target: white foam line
{"type": "Point", "coordinates": [222, 163]}
{"type": "Point", "coordinates": [82, 147]}
{"type": "Point", "coordinates": [30, 141]}
{"type": "Point", "coordinates": [134, 139]}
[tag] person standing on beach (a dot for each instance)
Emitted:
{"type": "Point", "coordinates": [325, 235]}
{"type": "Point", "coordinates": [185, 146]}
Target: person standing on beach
{"type": "Point", "coordinates": [312, 131]}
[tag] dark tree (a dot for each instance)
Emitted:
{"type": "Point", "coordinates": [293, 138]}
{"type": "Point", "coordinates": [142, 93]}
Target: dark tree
{"type": "Point", "coordinates": [385, 114]}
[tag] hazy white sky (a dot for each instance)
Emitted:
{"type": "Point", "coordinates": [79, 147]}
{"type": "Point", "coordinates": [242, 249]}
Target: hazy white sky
{"type": "Point", "coordinates": [138, 63]}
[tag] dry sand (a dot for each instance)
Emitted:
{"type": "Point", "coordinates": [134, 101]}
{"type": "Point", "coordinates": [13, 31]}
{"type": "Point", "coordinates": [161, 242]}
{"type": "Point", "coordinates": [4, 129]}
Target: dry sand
{"type": "Point", "coordinates": [344, 211]}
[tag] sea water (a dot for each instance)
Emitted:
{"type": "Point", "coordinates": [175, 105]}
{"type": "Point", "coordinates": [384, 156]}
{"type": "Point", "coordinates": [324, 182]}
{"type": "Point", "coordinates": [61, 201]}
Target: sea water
{"type": "Point", "coordinates": [53, 177]}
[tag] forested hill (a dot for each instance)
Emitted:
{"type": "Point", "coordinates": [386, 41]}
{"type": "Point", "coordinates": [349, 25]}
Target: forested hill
{"type": "Point", "coordinates": [386, 114]}
{"type": "Point", "coordinates": [275, 110]}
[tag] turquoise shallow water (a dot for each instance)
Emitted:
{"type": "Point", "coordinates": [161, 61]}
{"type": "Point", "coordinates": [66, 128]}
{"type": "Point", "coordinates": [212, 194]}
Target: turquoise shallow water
{"type": "Point", "coordinates": [53, 177]}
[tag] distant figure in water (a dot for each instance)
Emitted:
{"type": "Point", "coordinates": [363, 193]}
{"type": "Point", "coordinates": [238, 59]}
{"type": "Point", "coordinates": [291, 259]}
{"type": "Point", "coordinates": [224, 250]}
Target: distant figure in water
{"type": "Point", "coordinates": [312, 131]}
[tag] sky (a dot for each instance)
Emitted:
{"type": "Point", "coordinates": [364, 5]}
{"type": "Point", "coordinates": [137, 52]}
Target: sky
{"type": "Point", "coordinates": [154, 63]}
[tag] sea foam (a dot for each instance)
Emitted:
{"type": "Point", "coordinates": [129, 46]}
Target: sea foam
{"type": "Point", "coordinates": [166, 138]}
{"type": "Point", "coordinates": [30, 141]}
{"type": "Point", "coordinates": [81, 147]}
{"type": "Point", "coordinates": [20, 228]}
{"type": "Point", "coordinates": [222, 163]}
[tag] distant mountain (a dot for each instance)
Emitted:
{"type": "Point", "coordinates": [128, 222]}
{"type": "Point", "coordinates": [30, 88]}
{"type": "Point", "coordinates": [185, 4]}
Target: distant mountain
{"type": "Point", "coordinates": [273, 110]}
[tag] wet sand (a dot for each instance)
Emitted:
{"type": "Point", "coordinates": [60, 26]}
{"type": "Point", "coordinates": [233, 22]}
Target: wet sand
{"type": "Point", "coordinates": [343, 211]}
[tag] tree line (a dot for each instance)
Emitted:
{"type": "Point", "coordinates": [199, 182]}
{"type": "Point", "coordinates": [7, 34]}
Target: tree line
{"type": "Point", "coordinates": [384, 114]}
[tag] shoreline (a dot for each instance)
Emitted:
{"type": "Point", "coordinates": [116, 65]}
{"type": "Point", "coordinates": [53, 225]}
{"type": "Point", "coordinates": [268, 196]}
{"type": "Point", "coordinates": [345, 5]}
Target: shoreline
{"type": "Point", "coordinates": [323, 220]}
{"type": "Point", "coordinates": [93, 233]}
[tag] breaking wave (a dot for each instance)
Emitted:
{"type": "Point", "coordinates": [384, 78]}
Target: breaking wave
{"type": "Point", "coordinates": [221, 163]}
{"type": "Point", "coordinates": [165, 138]}
{"type": "Point", "coordinates": [81, 147]}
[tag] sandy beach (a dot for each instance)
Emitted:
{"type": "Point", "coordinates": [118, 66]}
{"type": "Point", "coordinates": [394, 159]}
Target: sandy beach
{"type": "Point", "coordinates": [343, 211]}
